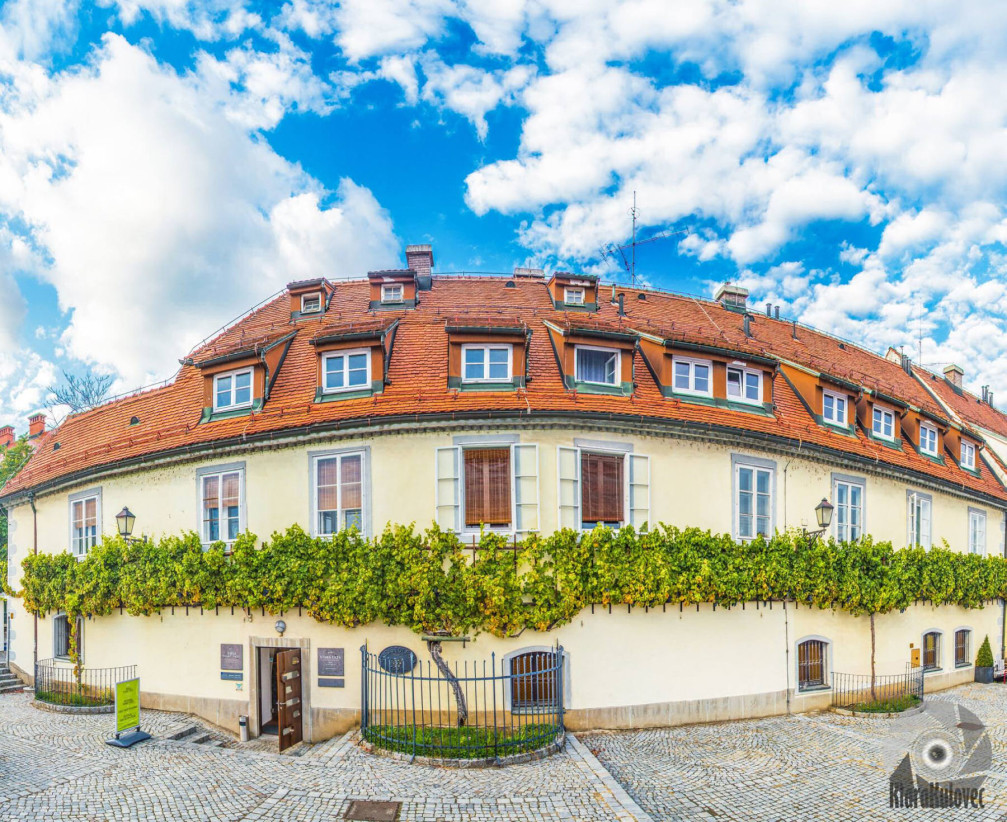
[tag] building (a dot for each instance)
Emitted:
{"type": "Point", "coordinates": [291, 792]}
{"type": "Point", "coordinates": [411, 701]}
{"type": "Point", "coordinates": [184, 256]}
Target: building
{"type": "Point", "coordinates": [363, 402]}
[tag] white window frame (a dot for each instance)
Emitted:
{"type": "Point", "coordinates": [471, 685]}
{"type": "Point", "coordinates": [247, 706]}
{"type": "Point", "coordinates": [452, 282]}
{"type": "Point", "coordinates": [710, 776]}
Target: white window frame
{"type": "Point", "coordinates": [617, 372]}
{"type": "Point", "coordinates": [850, 482]}
{"type": "Point", "coordinates": [977, 541]}
{"type": "Point", "coordinates": [219, 471]}
{"type": "Point", "coordinates": [346, 354]}
{"type": "Point", "coordinates": [836, 397]}
{"type": "Point", "coordinates": [755, 464]}
{"type": "Point", "coordinates": [970, 449]}
{"type": "Point", "coordinates": [692, 363]}
{"type": "Point", "coordinates": [387, 289]}
{"type": "Point", "coordinates": [85, 542]}
{"type": "Point", "coordinates": [636, 480]}
{"type": "Point", "coordinates": [234, 406]}
{"type": "Point", "coordinates": [885, 413]}
{"type": "Point", "coordinates": [316, 295]}
{"type": "Point", "coordinates": [916, 499]}
{"type": "Point", "coordinates": [314, 457]}
{"type": "Point", "coordinates": [487, 347]}
{"type": "Point", "coordinates": [574, 295]}
{"type": "Point", "coordinates": [932, 429]}
{"type": "Point", "coordinates": [745, 372]}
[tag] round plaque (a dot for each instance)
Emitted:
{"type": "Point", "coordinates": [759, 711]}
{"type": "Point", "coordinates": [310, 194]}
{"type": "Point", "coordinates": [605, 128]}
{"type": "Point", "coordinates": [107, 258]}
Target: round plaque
{"type": "Point", "coordinates": [397, 659]}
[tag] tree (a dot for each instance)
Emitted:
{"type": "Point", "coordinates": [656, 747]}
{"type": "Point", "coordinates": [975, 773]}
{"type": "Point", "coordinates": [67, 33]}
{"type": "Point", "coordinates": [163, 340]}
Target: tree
{"type": "Point", "coordinates": [80, 392]}
{"type": "Point", "coordinates": [12, 460]}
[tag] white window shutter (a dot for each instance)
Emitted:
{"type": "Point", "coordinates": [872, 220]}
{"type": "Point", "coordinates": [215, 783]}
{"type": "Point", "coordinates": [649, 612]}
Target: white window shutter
{"type": "Point", "coordinates": [911, 521]}
{"type": "Point", "coordinates": [925, 522]}
{"type": "Point", "coordinates": [448, 488]}
{"type": "Point", "coordinates": [639, 490]}
{"type": "Point", "coordinates": [524, 463]}
{"type": "Point", "coordinates": [568, 471]}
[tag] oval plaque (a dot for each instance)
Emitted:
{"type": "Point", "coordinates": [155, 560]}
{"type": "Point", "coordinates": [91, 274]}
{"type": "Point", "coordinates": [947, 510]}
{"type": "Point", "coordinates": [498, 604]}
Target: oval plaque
{"type": "Point", "coordinates": [397, 659]}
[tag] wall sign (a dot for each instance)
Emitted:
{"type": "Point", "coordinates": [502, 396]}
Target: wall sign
{"type": "Point", "coordinates": [232, 657]}
{"type": "Point", "coordinates": [397, 659]}
{"type": "Point", "coordinates": [330, 662]}
{"type": "Point", "coordinates": [331, 683]}
{"type": "Point", "coordinates": [232, 676]}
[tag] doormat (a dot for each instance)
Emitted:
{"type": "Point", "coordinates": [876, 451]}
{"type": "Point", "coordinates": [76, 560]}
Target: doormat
{"type": "Point", "coordinates": [366, 810]}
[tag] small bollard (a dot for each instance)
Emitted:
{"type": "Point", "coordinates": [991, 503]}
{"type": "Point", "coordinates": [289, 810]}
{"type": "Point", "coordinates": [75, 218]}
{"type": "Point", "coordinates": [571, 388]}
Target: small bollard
{"type": "Point", "coordinates": [243, 728]}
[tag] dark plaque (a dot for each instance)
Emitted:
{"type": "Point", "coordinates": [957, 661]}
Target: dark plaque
{"type": "Point", "coordinates": [397, 659]}
{"type": "Point", "coordinates": [330, 662]}
{"type": "Point", "coordinates": [331, 683]}
{"type": "Point", "coordinates": [232, 676]}
{"type": "Point", "coordinates": [231, 657]}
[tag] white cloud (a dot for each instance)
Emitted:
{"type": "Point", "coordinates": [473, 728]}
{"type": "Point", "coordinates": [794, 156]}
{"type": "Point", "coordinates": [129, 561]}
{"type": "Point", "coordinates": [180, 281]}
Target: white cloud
{"type": "Point", "coordinates": [206, 19]}
{"type": "Point", "coordinates": [470, 91]}
{"type": "Point", "coordinates": [369, 28]}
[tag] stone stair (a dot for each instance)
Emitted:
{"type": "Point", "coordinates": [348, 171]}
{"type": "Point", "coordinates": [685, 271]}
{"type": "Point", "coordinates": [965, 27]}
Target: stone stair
{"type": "Point", "coordinates": [200, 736]}
{"type": "Point", "coordinates": [9, 683]}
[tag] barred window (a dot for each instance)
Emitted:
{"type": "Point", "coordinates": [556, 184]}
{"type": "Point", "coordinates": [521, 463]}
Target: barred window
{"type": "Point", "coordinates": [811, 664]}
{"type": "Point", "coordinates": [962, 646]}
{"type": "Point", "coordinates": [534, 677]}
{"type": "Point", "coordinates": [931, 651]}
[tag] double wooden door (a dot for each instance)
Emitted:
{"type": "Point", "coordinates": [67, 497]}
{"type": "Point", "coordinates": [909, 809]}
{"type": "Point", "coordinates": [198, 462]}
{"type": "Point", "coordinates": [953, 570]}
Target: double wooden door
{"type": "Point", "coordinates": [290, 708]}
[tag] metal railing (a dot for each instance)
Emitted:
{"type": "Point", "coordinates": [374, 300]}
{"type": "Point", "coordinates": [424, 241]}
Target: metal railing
{"type": "Point", "coordinates": [492, 708]}
{"type": "Point", "coordinates": [886, 693]}
{"type": "Point", "coordinates": [57, 683]}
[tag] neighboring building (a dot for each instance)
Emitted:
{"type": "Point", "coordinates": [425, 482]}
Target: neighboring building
{"type": "Point", "coordinates": [358, 403]}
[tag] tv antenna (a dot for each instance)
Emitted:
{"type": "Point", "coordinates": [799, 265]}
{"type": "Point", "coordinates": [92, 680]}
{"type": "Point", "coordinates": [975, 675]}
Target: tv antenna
{"type": "Point", "coordinates": [629, 259]}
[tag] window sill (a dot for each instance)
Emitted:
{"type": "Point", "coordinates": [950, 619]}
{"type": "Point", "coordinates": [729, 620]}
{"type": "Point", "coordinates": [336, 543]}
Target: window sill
{"type": "Point", "coordinates": [403, 305]}
{"type": "Point", "coordinates": [810, 690]}
{"type": "Point", "coordinates": [336, 396]}
{"type": "Point", "coordinates": [619, 389]}
{"type": "Point", "coordinates": [934, 458]}
{"type": "Point", "coordinates": [209, 415]}
{"type": "Point", "coordinates": [887, 443]}
{"type": "Point", "coordinates": [932, 671]}
{"type": "Point", "coordinates": [486, 385]}
{"type": "Point", "coordinates": [559, 305]}
{"type": "Point", "coordinates": [962, 665]}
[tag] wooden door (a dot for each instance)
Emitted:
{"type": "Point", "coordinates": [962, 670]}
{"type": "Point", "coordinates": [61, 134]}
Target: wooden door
{"type": "Point", "coordinates": [288, 697]}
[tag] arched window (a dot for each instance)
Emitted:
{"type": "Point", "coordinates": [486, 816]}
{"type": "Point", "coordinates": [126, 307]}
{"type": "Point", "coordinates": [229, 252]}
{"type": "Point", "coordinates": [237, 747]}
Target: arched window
{"type": "Point", "coordinates": [963, 647]}
{"type": "Point", "coordinates": [812, 664]}
{"type": "Point", "coordinates": [534, 679]}
{"type": "Point", "coordinates": [931, 650]}
{"type": "Point", "coordinates": [61, 637]}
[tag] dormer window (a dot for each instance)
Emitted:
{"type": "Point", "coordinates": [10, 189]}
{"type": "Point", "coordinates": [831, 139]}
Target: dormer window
{"type": "Point", "coordinates": [346, 371]}
{"type": "Point", "coordinates": [487, 363]}
{"type": "Point", "coordinates": [834, 409]}
{"type": "Point", "coordinates": [968, 456]}
{"type": "Point", "coordinates": [573, 296]}
{"type": "Point", "coordinates": [597, 365]}
{"type": "Point", "coordinates": [311, 303]}
{"type": "Point", "coordinates": [883, 423]}
{"type": "Point", "coordinates": [391, 293]}
{"type": "Point", "coordinates": [928, 439]}
{"type": "Point", "coordinates": [744, 384]}
{"type": "Point", "coordinates": [693, 377]}
{"type": "Point", "coordinates": [232, 390]}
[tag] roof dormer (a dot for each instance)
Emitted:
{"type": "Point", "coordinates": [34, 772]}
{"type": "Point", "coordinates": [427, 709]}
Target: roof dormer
{"type": "Point", "coordinates": [393, 290]}
{"type": "Point", "coordinates": [573, 292]}
{"type": "Point", "coordinates": [309, 298]}
{"type": "Point", "coordinates": [487, 354]}
{"type": "Point", "coordinates": [595, 358]}
{"type": "Point", "coordinates": [352, 359]}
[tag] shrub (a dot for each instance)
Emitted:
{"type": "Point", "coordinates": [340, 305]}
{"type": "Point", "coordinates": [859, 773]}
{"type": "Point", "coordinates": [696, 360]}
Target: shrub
{"type": "Point", "coordinates": [984, 659]}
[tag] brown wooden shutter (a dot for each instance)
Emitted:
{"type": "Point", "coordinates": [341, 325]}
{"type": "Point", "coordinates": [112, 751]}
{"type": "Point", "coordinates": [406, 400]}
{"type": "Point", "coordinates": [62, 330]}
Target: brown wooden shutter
{"type": "Point", "coordinates": [602, 488]}
{"type": "Point", "coordinates": [487, 486]}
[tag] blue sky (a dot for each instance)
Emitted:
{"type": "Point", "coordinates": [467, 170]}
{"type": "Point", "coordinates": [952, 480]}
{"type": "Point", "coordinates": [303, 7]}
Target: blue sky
{"type": "Point", "coordinates": [165, 164]}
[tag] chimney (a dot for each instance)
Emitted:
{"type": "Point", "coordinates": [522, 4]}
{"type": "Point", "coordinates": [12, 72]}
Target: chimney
{"type": "Point", "coordinates": [732, 297]}
{"type": "Point", "coordinates": [36, 426]}
{"type": "Point", "coordinates": [530, 273]}
{"type": "Point", "coordinates": [622, 306]}
{"type": "Point", "coordinates": [420, 258]}
{"type": "Point", "coordinates": [907, 365]}
{"type": "Point", "coordinates": [954, 374]}
{"type": "Point", "coordinates": [6, 436]}
{"type": "Point", "coordinates": [776, 312]}
{"type": "Point", "coordinates": [747, 325]}
{"type": "Point", "coordinates": [769, 309]}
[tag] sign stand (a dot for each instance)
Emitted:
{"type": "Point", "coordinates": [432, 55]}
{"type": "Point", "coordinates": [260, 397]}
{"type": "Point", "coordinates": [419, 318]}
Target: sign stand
{"type": "Point", "coordinates": [127, 715]}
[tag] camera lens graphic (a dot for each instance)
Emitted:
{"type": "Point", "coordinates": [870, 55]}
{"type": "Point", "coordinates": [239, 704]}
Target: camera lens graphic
{"type": "Point", "coordinates": [937, 754]}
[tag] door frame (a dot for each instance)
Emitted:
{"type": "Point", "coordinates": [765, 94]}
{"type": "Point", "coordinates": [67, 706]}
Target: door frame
{"type": "Point", "coordinates": [280, 643]}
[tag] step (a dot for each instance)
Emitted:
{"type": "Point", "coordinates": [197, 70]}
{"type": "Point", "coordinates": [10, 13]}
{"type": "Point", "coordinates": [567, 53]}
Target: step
{"type": "Point", "coordinates": [201, 739]}
{"type": "Point", "coordinates": [10, 689]}
{"type": "Point", "coordinates": [184, 734]}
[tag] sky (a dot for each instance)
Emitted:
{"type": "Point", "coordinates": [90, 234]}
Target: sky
{"type": "Point", "coordinates": [165, 165]}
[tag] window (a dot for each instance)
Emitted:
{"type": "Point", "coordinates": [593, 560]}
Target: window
{"type": "Point", "coordinates": [391, 293]}
{"type": "Point", "coordinates": [601, 489]}
{"type": "Point", "coordinates": [977, 532]}
{"type": "Point", "coordinates": [487, 487]}
{"type": "Point", "coordinates": [232, 390]}
{"type": "Point", "coordinates": [968, 455]}
{"type": "Point", "coordinates": [311, 303]}
{"type": "Point", "coordinates": [534, 678]}
{"type": "Point", "coordinates": [85, 516]}
{"type": "Point", "coordinates": [962, 655]}
{"type": "Point", "coordinates": [339, 492]}
{"type": "Point", "coordinates": [931, 651]}
{"type": "Point", "coordinates": [221, 505]}
{"type": "Point", "coordinates": [919, 519]}
{"type": "Point", "coordinates": [849, 511]}
{"type": "Point", "coordinates": [573, 296]}
{"type": "Point", "coordinates": [346, 371]}
{"type": "Point", "coordinates": [597, 365]}
{"type": "Point", "coordinates": [61, 637]}
{"type": "Point", "coordinates": [811, 664]}
{"type": "Point", "coordinates": [928, 439]}
{"type": "Point", "coordinates": [486, 363]}
{"type": "Point", "coordinates": [834, 408]}
{"type": "Point", "coordinates": [884, 423]}
{"type": "Point", "coordinates": [753, 501]}
{"type": "Point", "coordinates": [692, 377]}
{"type": "Point", "coordinates": [744, 384]}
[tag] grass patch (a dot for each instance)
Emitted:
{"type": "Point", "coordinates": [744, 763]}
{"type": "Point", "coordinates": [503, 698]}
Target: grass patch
{"type": "Point", "coordinates": [892, 705]}
{"type": "Point", "coordinates": [461, 743]}
{"type": "Point", "coordinates": [75, 700]}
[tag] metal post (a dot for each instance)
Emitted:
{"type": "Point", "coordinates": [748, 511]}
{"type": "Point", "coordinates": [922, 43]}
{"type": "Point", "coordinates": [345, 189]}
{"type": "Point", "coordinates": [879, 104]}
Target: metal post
{"type": "Point", "coordinates": [363, 689]}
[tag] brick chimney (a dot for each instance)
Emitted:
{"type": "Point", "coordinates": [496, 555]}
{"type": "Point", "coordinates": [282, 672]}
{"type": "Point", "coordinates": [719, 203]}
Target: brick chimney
{"type": "Point", "coordinates": [954, 374]}
{"type": "Point", "coordinates": [6, 436]}
{"type": "Point", "coordinates": [732, 297]}
{"type": "Point", "coordinates": [36, 426]}
{"type": "Point", "coordinates": [420, 258]}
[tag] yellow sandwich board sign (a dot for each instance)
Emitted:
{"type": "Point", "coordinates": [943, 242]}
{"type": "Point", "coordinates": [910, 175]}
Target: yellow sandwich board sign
{"type": "Point", "coordinates": [127, 715]}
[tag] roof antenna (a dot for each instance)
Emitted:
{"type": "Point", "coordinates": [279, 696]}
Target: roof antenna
{"type": "Point", "coordinates": [629, 260]}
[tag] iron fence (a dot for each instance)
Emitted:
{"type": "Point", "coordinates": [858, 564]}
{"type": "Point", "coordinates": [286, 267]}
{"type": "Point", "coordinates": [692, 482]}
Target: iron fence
{"type": "Point", "coordinates": [56, 682]}
{"type": "Point", "coordinates": [891, 692]}
{"type": "Point", "coordinates": [485, 709]}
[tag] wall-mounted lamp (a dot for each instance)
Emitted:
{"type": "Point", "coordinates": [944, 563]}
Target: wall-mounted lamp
{"type": "Point", "coordinates": [280, 626]}
{"type": "Point", "coordinates": [823, 514]}
{"type": "Point", "coordinates": [124, 521]}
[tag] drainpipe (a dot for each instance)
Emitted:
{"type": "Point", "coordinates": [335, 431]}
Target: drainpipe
{"type": "Point", "coordinates": [1003, 603]}
{"type": "Point", "coordinates": [786, 636]}
{"type": "Point", "coordinates": [34, 550]}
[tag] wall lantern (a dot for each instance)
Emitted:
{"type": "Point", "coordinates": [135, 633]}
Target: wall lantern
{"type": "Point", "coordinates": [124, 520]}
{"type": "Point", "coordinates": [280, 626]}
{"type": "Point", "coordinates": [823, 511]}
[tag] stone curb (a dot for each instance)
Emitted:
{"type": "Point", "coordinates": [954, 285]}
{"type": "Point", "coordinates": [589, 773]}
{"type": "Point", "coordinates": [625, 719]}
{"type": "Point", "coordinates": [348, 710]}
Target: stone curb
{"type": "Point", "coordinates": [630, 811]}
{"type": "Point", "coordinates": [79, 710]}
{"type": "Point", "coordinates": [488, 762]}
{"type": "Point", "coordinates": [874, 715]}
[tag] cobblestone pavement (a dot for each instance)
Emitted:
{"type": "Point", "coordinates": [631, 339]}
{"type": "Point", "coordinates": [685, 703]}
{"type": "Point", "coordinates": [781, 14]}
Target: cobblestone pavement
{"type": "Point", "coordinates": [810, 766]}
{"type": "Point", "coordinates": [55, 767]}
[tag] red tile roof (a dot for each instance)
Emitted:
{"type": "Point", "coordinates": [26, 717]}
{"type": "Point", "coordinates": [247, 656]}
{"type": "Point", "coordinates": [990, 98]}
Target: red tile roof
{"type": "Point", "coordinates": [418, 379]}
{"type": "Point", "coordinates": [972, 410]}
